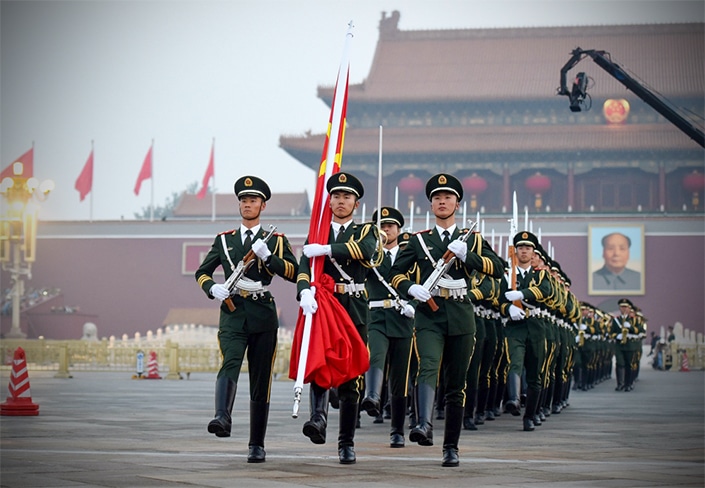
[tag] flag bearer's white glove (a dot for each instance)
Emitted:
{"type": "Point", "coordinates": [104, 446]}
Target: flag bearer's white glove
{"type": "Point", "coordinates": [513, 295]}
{"type": "Point", "coordinates": [313, 250]}
{"type": "Point", "coordinates": [308, 303]}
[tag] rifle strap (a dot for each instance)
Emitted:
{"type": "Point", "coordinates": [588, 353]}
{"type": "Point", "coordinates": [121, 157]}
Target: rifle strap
{"type": "Point", "coordinates": [386, 285]}
{"type": "Point", "coordinates": [225, 250]}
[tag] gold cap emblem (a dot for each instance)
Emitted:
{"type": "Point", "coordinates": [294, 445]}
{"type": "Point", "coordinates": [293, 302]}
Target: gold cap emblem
{"type": "Point", "coordinates": [248, 182]}
{"type": "Point", "coordinates": [442, 180]}
{"type": "Point", "coordinates": [385, 212]}
{"type": "Point", "coordinates": [342, 178]}
{"type": "Point", "coordinates": [525, 235]}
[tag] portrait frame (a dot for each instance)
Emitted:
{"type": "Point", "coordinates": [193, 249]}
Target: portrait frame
{"type": "Point", "coordinates": [632, 280]}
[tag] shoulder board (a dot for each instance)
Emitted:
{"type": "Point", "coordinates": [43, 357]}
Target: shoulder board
{"type": "Point", "coordinates": [464, 231]}
{"type": "Point", "coordinates": [423, 231]}
{"type": "Point", "coordinates": [279, 234]}
{"type": "Point", "coordinates": [233, 231]}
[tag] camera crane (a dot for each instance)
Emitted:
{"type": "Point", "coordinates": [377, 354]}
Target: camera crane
{"type": "Point", "coordinates": [578, 92]}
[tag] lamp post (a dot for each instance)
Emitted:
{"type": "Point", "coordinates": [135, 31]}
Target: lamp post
{"type": "Point", "coordinates": [18, 232]}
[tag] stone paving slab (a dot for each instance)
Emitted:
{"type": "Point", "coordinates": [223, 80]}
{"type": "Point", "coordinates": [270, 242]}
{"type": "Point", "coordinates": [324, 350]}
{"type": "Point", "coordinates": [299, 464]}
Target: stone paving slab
{"type": "Point", "coordinates": [108, 430]}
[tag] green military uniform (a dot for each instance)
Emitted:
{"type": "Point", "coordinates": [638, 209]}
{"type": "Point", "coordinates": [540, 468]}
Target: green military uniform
{"type": "Point", "coordinates": [391, 331]}
{"type": "Point", "coordinates": [251, 328]}
{"type": "Point", "coordinates": [483, 289]}
{"type": "Point", "coordinates": [526, 338]}
{"type": "Point", "coordinates": [626, 330]}
{"type": "Point", "coordinates": [449, 332]}
{"type": "Point", "coordinates": [349, 263]}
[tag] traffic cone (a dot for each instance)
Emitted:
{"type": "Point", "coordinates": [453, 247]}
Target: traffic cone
{"type": "Point", "coordinates": [19, 402]}
{"type": "Point", "coordinates": [684, 362]}
{"type": "Point", "coordinates": [153, 367]}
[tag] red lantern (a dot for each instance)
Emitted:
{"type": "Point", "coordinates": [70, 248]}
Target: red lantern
{"type": "Point", "coordinates": [411, 185]}
{"type": "Point", "coordinates": [538, 184]}
{"type": "Point", "coordinates": [694, 183]}
{"type": "Point", "coordinates": [474, 185]}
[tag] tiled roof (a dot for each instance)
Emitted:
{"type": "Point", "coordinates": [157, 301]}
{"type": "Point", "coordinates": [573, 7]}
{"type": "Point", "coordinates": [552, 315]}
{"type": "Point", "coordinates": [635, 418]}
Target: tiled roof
{"type": "Point", "coordinates": [281, 204]}
{"type": "Point", "coordinates": [524, 138]}
{"type": "Point", "coordinates": [521, 63]}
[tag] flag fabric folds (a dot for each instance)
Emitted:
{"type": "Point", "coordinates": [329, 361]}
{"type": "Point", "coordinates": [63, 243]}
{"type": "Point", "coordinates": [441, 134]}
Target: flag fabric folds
{"type": "Point", "coordinates": [84, 182]}
{"type": "Point", "coordinates": [146, 171]}
{"type": "Point", "coordinates": [27, 160]}
{"type": "Point", "coordinates": [335, 352]}
{"type": "Point", "coordinates": [210, 173]}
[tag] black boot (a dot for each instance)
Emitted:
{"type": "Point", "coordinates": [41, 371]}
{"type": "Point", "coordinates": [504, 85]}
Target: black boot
{"type": "Point", "coordinates": [398, 408]}
{"type": "Point", "coordinates": [513, 405]}
{"type": "Point", "coordinates": [413, 402]}
{"type": "Point", "coordinates": [451, 434]}
{"type": "Point", "coordinates": [315, 427]}
{"type": "Point", "coordinates": [423, 430]}
{"type": "Point", "coordinates": [620, 379]}
{"type": "Point", "coordinates": [373, 392]}
{"type": "Point", "coordinates": [469, 410]}
{"type": "Point", "coordinates": [346, 432]}
{"type": "Point", "coordinates": [482, 394]}
{"type": "Point", "coordinates": [532, 402]}
{"type": "Point", "coordinates": [225, 389]}
{"type": "Point", "coordinates": [259, 413]}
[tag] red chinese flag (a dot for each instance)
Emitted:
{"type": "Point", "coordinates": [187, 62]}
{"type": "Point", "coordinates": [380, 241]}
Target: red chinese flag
{"type": "Point", "coordinates": [145, 172]}
{"type": "Point", "coordinates": [27, 160]}
{"type": "Point", "coordinates": [336, 352]}
{"type": "Point", "coordinates": [84, 182]}
{"type": "Point", "coordinates": [210, 172]}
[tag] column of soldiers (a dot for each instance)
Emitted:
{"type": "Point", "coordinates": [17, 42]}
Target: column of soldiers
{"type": "Point", "coordinates": [440, 313]}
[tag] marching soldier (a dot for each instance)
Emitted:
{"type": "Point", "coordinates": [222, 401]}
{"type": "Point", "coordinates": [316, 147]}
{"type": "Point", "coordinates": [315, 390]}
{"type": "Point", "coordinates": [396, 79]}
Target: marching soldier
{"type": "Point", "coordinates": [248, 314]}
{"type": "Point", "coordinates": [391, 331]}
{"type": "Point", "coordinates": [525, 332]}
{"type": "Point", "coordinates": [625, 330]}
{"type": "Point", "coordinates": [348, 255]}
{"type": "Point", "coordinates": [448, 332]}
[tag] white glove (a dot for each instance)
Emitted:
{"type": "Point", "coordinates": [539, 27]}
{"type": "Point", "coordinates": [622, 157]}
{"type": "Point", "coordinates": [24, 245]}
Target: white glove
{"type": "Point", "coordinates": [459, 248]}
{"type": "Point", "coordinates": [308, 303]}
{"type": "Point", "coordinates": [513, 295]}
{"type": "Point", "coordinates": [516, 313]}
{"type": "Point", "coordinates": [408, 311]}
{"type": "Point", "coordinates": [219, 291]}
{"type": "Point", "coordinates": [313, 250]}
{"type": "Point", "coordinates": [583, 327]}
{"type": "Point", "coordinates": [619, 337]}
{"type": "Point", "coordinates": [626, 325]}
{"type": "Point", "coordinates": [261, 250]}
{"type": "Point", "coordinates": [420, 293]}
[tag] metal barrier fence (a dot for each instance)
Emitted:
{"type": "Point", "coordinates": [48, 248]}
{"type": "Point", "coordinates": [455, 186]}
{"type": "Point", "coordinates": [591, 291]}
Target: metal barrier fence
{"type": "Point", "coordinates": [173, 358]}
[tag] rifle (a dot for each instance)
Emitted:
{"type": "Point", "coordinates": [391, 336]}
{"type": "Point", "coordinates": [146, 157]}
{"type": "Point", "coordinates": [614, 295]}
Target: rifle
{"type": "Point", "coordinates": [512, 252]}
{"type": "Point", "coordinates": [242, 267]}
{"type": "Point", "coordinates": [442, 266]}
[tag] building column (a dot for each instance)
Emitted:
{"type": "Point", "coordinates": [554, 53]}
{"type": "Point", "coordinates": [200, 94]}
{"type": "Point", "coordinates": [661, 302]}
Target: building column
{"type": "Point", "coordinates": [506, 189]}
{"type": "Point", "coordinates": [662, 186]}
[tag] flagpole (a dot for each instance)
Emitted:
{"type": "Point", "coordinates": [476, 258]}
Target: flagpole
{"type": "Point", "coordinates": [213, 177]}
{"type": "Point", "coordinates": [90, 203]}
{"type": "Point", "coordinates": [333, 139]}
{"type": "Point", "coordinates": [151, 186]}
{"type": "Point", "coordinates": [379, 182]}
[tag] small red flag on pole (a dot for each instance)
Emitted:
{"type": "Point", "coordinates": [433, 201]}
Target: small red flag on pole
{"type": "Point", "coordinates": [146, 171]}
{"type": "Point", "coordinates": [84, 182]}
{"type": "Point", "coordinates": [27, 160]}
{"type": "Point", "coordinates": [210, 173]}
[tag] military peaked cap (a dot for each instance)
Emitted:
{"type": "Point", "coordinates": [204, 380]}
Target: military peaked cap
{"type": "Point", "coordinates": [625, 301]}
{"type": "Point", "coordinates": [525, 238]}
{"type": "Point", "coordinates": [390, 215]}
{"type": "Point", "coordinates": [444, 182]}
{"type": "Point", "coordinates": [345, 182]}
{"type": "Point", "coordinates": [251, 185]}
{"type": "Point", "coordinates": [404, 239]}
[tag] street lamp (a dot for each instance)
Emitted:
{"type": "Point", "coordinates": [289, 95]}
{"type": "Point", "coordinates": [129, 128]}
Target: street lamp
{"type": "Point", "coordinates": [18, 233]}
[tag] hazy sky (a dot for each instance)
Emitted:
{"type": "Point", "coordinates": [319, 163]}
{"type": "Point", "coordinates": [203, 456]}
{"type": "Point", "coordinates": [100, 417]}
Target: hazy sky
{"type": "Point", "coordinates": [122, 73]}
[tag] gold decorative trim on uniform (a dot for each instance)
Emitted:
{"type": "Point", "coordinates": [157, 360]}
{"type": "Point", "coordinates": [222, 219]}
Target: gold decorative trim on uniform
{"type": "Point", "coordinates": [487, 265]}
{"type": "Point", "coordinates": [203, 278]}
{"type": "Point", "coordinates": [303, 277]}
